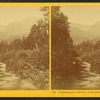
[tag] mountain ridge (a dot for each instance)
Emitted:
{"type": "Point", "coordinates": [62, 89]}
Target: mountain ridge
{"type": "Point", "coordinates": [78, 32]}
{"type": "Point", "coordinates": [87, 32]}
{"type": "Point", "coordinates": [17, 28]}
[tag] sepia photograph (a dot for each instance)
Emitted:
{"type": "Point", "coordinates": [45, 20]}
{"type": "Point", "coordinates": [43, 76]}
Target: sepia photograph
{"type": "Point", "coordinates": [75, 48]}
{"type": "Point", "coordinates": [24, 48]}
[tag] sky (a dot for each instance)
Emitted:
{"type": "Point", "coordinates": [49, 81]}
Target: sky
{"type": "Point", "coordinates": [82, 14]}
{"type": "Point", "coordinates": [10, 14]}
{"type": "Point", "coordinates": [78, 14]}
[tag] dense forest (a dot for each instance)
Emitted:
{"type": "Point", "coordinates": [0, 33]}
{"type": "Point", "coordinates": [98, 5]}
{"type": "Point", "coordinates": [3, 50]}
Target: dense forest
{"type": "Point", "coordinates": [65, 64]}
{"type": "Point", "coordinates": [28, 57]}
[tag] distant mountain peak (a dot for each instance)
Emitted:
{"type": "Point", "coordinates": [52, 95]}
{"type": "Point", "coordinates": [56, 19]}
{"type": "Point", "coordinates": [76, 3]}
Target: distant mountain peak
{"type": "Point", "coordinates": [20, 28]}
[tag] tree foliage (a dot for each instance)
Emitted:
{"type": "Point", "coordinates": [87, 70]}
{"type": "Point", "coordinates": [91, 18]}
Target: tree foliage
{"type": "Point", "coordinates": [29, 57]}
{"type": "Point", "coordinates": [65, 65]}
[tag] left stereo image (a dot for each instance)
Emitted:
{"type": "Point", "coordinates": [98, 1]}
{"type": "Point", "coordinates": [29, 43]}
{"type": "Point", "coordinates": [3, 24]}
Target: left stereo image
{"type": "Point", "coordinates": [24, 48]}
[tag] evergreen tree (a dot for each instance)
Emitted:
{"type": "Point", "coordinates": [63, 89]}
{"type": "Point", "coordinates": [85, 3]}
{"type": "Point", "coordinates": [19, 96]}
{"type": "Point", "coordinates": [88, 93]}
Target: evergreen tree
{"type": "Point", "coordinates": [38, 36]}
{"type": "Point", "coordinates": [63, 52]}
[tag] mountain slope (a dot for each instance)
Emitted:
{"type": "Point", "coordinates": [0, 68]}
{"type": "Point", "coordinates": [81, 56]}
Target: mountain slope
{"type": "Point", "coordinates": [17, 29]}
{"type": "Point", "coordinates": [81, 32]}
{"type": "Point", "coordinates": [78, 33]}
{"type": "Point", "coordinates": [80, 26]}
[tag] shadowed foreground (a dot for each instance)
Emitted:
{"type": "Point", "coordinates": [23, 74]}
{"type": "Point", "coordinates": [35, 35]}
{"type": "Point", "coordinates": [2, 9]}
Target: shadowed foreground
{"type": "Point", "coordinates": [9, 81]}
{"type": "Point", "coordinates": [89, 80]}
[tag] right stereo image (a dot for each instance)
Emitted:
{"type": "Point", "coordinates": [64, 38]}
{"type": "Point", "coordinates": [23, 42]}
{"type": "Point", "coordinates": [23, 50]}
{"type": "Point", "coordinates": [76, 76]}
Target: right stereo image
{"type": "Point", "coordinates": [75, 47]}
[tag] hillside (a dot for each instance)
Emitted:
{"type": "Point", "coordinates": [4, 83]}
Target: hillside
{"type": "Point", "coordinates": [80, 26]}
{"type": "Point", "coordinates": [78, 32]}
{"type": "Point", "coordinates": [81, 32]}
{"type": "Point", "coordinates": [17, 29]}
{"type": "Point", "coordinates": [78, 35]}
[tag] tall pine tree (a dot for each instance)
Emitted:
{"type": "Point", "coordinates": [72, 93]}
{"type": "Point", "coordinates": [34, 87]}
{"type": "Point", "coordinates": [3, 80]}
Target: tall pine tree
{"type": "Point", "coordinates": [64, 62]}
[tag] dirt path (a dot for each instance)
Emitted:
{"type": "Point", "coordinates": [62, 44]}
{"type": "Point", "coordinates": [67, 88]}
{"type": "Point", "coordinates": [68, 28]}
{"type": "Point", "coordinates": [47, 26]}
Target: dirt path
{"type": "Point", "coordinates": [9, 81]}
{"type": "Point", "coordinates": [89, 80]}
